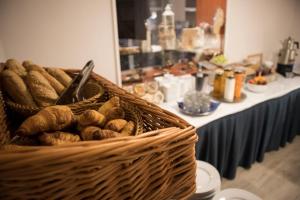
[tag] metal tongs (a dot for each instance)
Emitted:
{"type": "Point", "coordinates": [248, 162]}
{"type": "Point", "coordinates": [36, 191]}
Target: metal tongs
{"type": "Point", "coordinates": [72, 93]}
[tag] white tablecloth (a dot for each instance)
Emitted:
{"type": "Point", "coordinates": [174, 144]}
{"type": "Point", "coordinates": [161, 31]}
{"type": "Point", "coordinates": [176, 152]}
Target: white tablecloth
{"type": "Point", "coordinates": [276, 89]}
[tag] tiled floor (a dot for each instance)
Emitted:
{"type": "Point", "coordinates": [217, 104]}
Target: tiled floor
{"type": "Point", "coordinates": [276, 178]}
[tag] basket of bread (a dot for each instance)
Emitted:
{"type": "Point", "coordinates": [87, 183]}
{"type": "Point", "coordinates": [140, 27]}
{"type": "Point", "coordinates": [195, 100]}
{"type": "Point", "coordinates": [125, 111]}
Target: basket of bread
{"type": "Point", "coordinates": [118, 147]}
{"type": "Point", "coordinates": [28, 87]}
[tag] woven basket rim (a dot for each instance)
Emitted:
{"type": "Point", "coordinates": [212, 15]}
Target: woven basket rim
{"type": "Point", "coordinates": [80, 146]}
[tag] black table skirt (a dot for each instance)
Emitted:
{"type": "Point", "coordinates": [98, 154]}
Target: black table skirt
{"type": "Point", "coordinates": [242, 138]}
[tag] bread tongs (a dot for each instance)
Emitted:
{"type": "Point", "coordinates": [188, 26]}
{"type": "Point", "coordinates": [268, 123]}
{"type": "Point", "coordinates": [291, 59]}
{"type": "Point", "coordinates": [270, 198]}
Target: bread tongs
{"type": "Point", "coordinates": [72, 93]}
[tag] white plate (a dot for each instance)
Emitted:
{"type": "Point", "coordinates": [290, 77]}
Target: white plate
{"type": "Point", "coordinates": [207, 179]}
{"type": "Point", "coordinates": [257, 88]}
{"type": "Point", "coordinates": [235, 194]}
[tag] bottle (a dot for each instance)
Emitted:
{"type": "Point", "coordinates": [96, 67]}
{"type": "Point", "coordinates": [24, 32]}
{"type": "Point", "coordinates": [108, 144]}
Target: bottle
{"type": "Point", "coordinates": [218, 84]}
{"type": "Point", "coordinates": [168, 17]}
{"type": "Point", "coordinates": [167, 29]}
{"type": "Point", "coordinates": [239, 79]}
{"type": "Point", "coordinates": [229, 88]}
{"type": "Point", "coordinates": [199, 79]}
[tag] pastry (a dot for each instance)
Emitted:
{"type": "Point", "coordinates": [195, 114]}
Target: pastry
{"type": "Point", "coordinates": [15, 66]}
{"type": "Point", "coordinates": [113, 102]}
{"type": "Point", "coordinates": [41, 91]}
{"type": "Point", "coordinates": [15, 87]}
{"type": "Point", "coordinates": [58, 138]}
{"type": "Point", "coordinates": [96, 133]}
{"type": "Point", "coordinates": [59, 88]}
{"type": "Point", "coordinates": [91, 118]}
{"type": "Point", "coordinates": [128, 129]}
{"type": "Point", "coordinates": [54, 118]}
{"type": "Point", "coordinates": [116, 124]}
{"type": "Point", "coordinates": [115, 113]}
{"type": "Point", "coordinates": [60, 75]}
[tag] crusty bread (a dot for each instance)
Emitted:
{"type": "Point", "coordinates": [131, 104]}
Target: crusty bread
{"type": "Point", "coordinates": [15, 87]}
{"type": "Point", "coordinates": [60, 75]}
{"type": "Point", "coordinates": [41, 90]}
{"type": "Point", "coordinates": [59, 88]}
{"type": "Point", "coordinates": [26, 63]}
{"type": "Point", "coordinates": [15, 66]}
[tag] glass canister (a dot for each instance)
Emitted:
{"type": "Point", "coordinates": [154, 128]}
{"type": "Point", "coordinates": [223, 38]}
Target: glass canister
{"type": "Point", "coordinates": [217, 91]}
{"type": "Point", "coordinates": [227, 72]}
{"type": "Point", "coordinates": [239, 76]}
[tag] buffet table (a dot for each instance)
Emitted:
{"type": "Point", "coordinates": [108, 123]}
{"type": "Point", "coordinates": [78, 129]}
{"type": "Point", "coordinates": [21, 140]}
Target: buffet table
{"type": "Point", "coordinates": [239, 134]}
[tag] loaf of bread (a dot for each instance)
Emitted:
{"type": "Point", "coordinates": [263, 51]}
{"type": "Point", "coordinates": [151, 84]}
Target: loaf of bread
{"type": "Point", "coordinates": [26, 63]}
{"type": "Point", "coordinates": [53, 118]}
{"type": "Point", "coordinates": [96, 133]}
{"type": "Point", "coordinates": [16, 88]}
{"type": "Point", "coordinates": [41, 90]}
{"type": "Point", "coordinates": [116, 125]}
{"type": "Point", "coordinates": [59, 88]}
{"type": "Point", "coordinates": [58, 138]}
{"type": "Point", "coordinates": [60, 75]}
{"type": "Point", "coordinates": [15, 66]}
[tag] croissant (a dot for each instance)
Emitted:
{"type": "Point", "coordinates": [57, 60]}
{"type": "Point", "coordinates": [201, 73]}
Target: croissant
{"type": "Point", "coordinates": [52, 118]}
{"type": "Point", "coordinates": [91, 118]}
{"type": "Point", "coordinates": [113, 102]}
{"type": "Point", "coordinates": [15, 66]}
{"type": "Point", "coordinates": [58, 138]}
{"type": "Point", "coordinates": [95, 133]}
{"type": "Point", "coordinates": [128, 129]}
{"type": "Point", "coordinates": [58, 87]}
{"type": "Point", "coordinates": [115, 113]}
{"type": "Point", "coordinates": [116, 124]}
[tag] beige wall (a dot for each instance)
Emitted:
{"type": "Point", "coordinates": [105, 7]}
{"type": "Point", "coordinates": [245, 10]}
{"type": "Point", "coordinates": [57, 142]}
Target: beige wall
{"type": "Point", "coordinates": [258, 26]}
{"type": "Point", "coordinates": [60, 33]}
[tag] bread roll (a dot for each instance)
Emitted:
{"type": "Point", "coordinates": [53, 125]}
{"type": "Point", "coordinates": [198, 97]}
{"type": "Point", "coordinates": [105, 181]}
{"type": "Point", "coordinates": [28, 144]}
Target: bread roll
{"type": "Point", "coordinates": [15, 66]}
{"type": "Point", "coordinates": [42, 92]}
{"type": "Point", "coordinates": [95, 133]}
{"type": "Point", "coordinates": [59, 88]}
{"type": "Point", "coordinates": [14, 85]}
{"type": "Point", "coordinates": [58, 138]}
{"type": "Point", "coordinates": [53, 118]}
{"type": "Point", "coordinates": [60, 75]}
{"type": "Point", "coordinates": [116, 125]}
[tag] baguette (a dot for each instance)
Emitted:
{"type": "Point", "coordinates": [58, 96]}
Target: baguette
{"type": "Point", "coordinates": [16, 88]}
{"type": "Point", "coordinates": [15, 66]}
{"type": "Point", "coordinates": [60, 75]}
{"type": "Point", "coordinates": [59, 88]}
{"type": "Point", "coordinates": [41, 90]}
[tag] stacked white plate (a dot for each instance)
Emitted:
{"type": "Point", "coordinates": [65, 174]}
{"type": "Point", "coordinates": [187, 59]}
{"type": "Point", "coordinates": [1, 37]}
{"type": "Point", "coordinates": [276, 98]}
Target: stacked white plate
{"type": "Point", "coordinates": [235, 194]}
{"type": "Point", "coordinates": [208, 181]}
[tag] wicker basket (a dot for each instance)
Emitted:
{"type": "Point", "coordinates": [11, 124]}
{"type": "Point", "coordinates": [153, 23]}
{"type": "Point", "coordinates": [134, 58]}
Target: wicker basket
{"type": "Point", "coordinates": [159, 164]}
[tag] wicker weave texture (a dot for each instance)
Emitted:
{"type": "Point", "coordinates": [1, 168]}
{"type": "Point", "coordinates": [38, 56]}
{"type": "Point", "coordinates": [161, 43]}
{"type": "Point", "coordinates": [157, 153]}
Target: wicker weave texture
{"type": "Point", "coordinates": [159, 164]}
{"type": "Point", "coordinates": [128, 168]}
